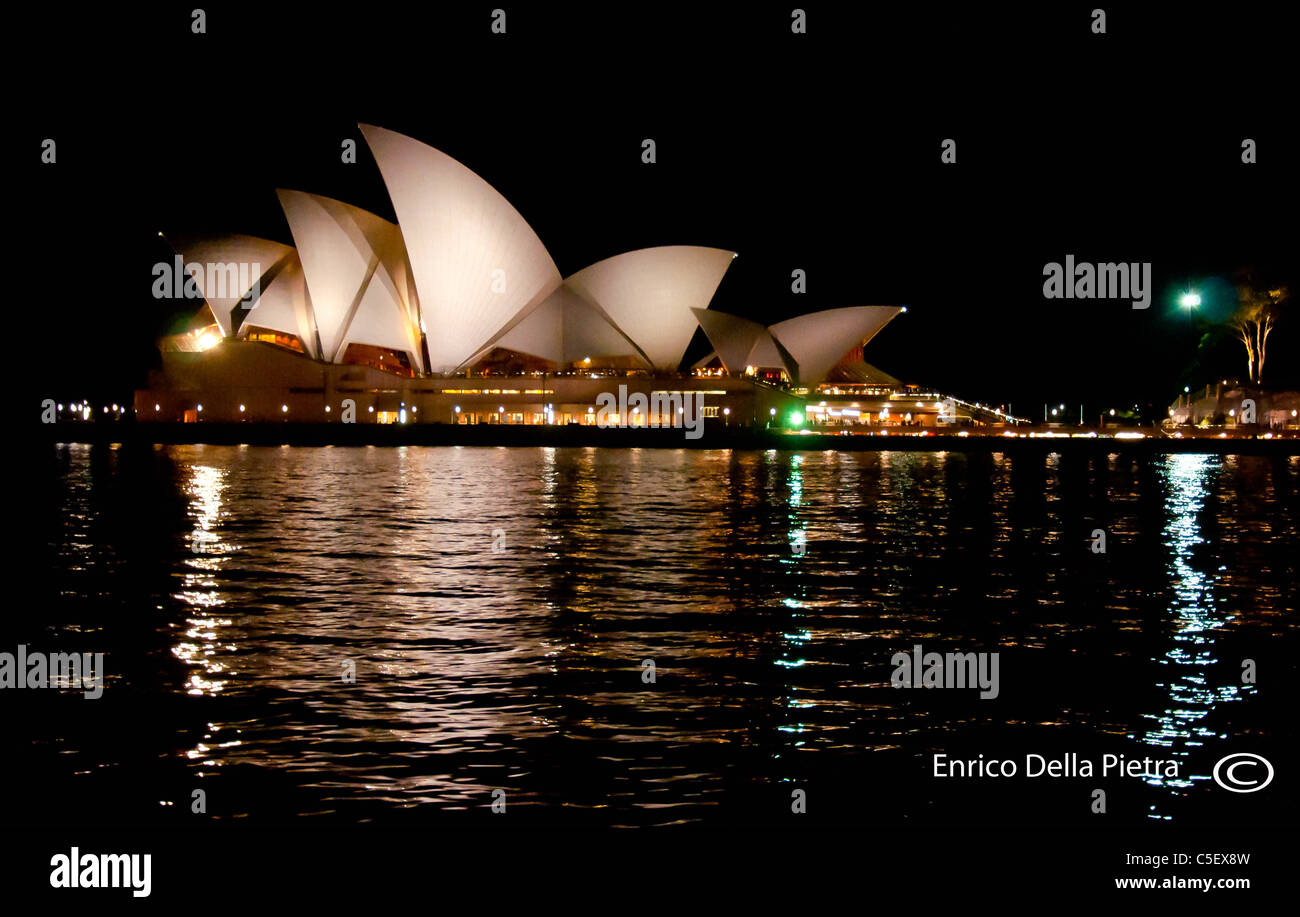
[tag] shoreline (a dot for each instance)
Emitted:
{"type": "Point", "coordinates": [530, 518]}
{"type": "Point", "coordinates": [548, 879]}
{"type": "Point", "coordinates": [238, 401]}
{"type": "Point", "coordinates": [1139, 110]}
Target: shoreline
{"type": "Point", "coordinates": [525, 436]}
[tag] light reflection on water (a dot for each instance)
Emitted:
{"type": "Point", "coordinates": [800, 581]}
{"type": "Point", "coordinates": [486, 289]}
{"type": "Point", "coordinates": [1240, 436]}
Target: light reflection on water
{"type": "Point", "coordinates": [770, 588]}
{"type": "Point", "coordinates": [1195, 617]}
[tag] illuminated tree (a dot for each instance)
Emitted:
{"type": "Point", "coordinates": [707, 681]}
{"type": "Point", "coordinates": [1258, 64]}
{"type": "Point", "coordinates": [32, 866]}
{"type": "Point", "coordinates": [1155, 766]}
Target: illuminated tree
{"type": "Point", "coordinates": [1257, 313]}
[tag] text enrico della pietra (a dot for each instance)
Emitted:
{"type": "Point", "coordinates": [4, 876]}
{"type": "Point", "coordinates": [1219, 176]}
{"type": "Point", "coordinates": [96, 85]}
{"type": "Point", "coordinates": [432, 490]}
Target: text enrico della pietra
{"type": "Point", "coordinates": [1066, 765]}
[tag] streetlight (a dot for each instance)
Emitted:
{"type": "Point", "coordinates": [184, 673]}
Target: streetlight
{"type": "Point", "coordinates": [1189, 302]}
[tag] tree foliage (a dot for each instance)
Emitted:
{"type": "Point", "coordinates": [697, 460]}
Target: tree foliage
{"type": "Point", "coordinates": [1258, 309]}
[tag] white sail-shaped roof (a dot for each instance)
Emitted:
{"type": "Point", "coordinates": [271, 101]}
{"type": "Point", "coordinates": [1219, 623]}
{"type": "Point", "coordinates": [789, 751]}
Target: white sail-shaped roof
{"type": "Point", "coordinates": [381, 319]}
{"type": "Point", "coordinates": [386, 241]}
{"type": "Point", "coordinates": [225, 268]}
{"type": "Point", "coordinates": [477, 264]}
{"type": "Point", "coordinates": [766, 353]}
{"type": "Point", "coordinates": [818, 341]}
{"type": "Point", "coordinates": [564, 329]}
{"type": "Point", "coordinates": [347, 254]}
{"type": "Point", "coordinates": [285, 306]}
{"type": "Point", "coordinates": [732, 337]}
{"type": "Point", "coordinates": [650, 293]}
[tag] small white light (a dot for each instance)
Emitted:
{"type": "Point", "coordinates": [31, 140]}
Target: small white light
{"type": "Point", "coordinates": [241, 409]}
{"type": "Point", "coordinates": [157, 407]}
{"type": "Point", "coordinates": [284, 409]}
{"type": "Point", "coordinates": [327, 409]}
{"type": "Point", "coordinates": [199, 408]}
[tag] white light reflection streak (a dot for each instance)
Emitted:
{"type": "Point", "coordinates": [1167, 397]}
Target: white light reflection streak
{"type": "Point", "coordinates": [1196, 616]}
{"type": "Point", "coordinates": [199, 647]}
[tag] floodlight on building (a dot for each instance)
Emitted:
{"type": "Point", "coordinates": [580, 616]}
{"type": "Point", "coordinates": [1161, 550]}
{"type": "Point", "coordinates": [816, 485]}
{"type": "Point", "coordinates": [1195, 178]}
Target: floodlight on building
{"type": "Point", "coordinates": [208, 340]}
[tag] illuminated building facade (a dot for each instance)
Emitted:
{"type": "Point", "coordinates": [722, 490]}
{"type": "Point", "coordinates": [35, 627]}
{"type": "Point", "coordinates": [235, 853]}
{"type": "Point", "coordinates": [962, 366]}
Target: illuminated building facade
{"type": "Point", "coordinates": [458, 314]}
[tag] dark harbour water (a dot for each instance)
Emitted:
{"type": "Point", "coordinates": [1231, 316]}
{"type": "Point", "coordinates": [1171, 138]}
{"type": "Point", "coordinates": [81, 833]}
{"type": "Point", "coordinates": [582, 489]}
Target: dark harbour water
{"type": "Point", "coordinates": [771, 589]}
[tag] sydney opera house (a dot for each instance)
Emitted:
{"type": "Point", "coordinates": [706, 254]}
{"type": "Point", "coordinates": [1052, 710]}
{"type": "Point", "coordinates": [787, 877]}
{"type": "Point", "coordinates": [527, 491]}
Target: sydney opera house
{"type": "Point", "coordinates": [458, 315]}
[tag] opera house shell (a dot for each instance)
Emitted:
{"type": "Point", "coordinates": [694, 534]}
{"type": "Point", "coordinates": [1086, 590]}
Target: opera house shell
{"type": "Point", "coordinates": [455, 312]}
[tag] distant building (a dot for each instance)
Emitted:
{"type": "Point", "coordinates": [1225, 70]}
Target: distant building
{"type": "Point", "coordinates": [1230, 405]}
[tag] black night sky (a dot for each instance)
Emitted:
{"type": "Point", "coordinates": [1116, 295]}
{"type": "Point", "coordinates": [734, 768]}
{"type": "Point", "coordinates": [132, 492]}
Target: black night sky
{"type": "Point", "coordinates": [817, 151]}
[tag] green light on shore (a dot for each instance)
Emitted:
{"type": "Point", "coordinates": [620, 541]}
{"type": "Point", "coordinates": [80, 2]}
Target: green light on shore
{"type": "Point", "coordinates": [1191, 300]}
{"type": "Point", "coordinates": [796, 419]}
